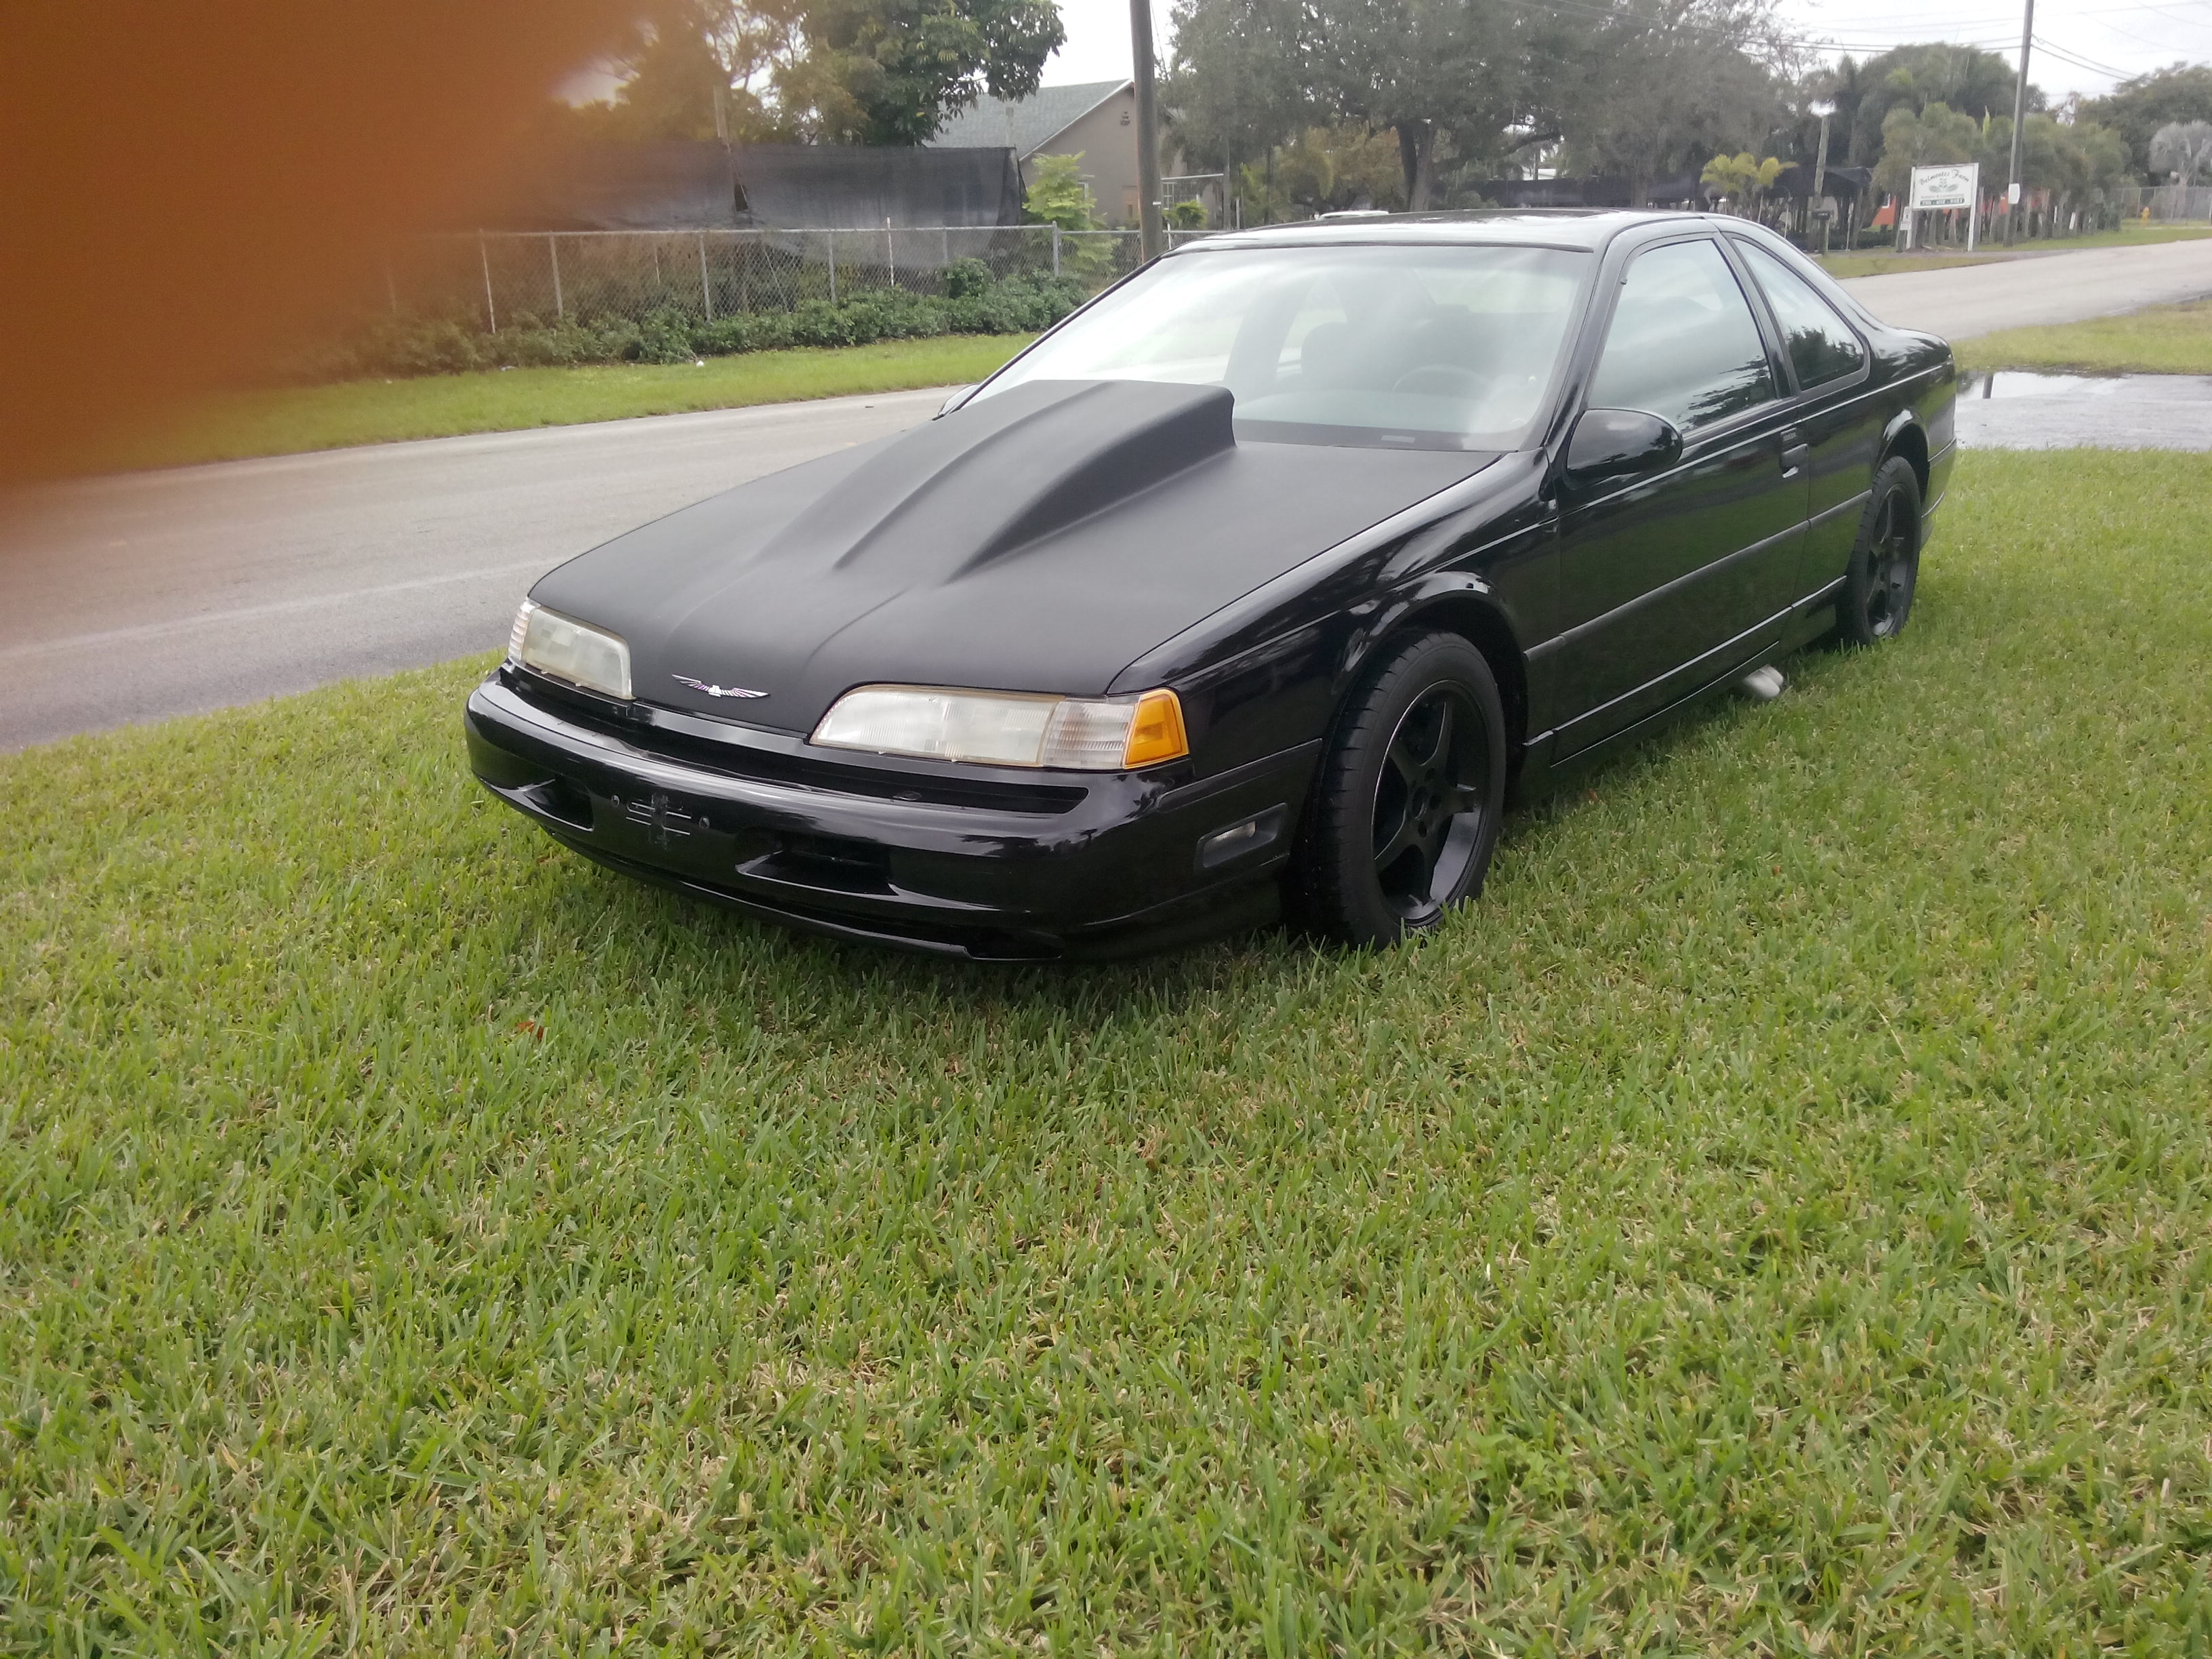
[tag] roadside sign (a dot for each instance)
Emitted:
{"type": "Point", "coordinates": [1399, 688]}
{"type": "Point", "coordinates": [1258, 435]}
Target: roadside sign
{"type": "Point", "coordinates": [1941, 189]}
{"type": "Point", "coordinates": [1951, 186]}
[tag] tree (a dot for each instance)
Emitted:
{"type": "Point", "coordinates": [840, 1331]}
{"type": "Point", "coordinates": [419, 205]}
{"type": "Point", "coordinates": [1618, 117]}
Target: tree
{"type": "Point", "coordinates": [1326, 170]}
{"type": "Point", "coordinates": [1845, 86]}
{"type": "Point", "coordinates": [1635, 87]}
{"type": "Point", "coordinates": [1963, 79]}
{"type": "Point", "coordinates": [887, 71]}
{"type": "Point", "coordinates": [1430, 71]}
{"type": "Point", "coordinates": [851, 71]}
{"type": "Point", "coordinates": [1743, 177]}
{"type": "Point", "coordinates": [1660, 85]}
{"type": "Point", "coordinates": [2182, 148]}
{"type": "Point", "coordinates": [1057, 194]}
{"type": "Point", "coordinates": [684, 67]}
{"type": "Point", "coordinates": [1237, 82]}
{"type": "Point", "coordinates": [2137, 109]}
{"type": "Point", "coordinates": [2068, 157]}
{"type": "Point", "coordinates": [1934, 135]}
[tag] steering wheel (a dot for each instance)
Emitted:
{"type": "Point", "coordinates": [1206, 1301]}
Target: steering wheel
{"type": "Point", "coordinates": [1440, 380]}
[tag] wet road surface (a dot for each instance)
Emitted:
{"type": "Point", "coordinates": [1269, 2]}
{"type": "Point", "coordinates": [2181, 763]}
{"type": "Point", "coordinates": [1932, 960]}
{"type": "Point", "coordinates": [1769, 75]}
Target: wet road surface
{"type": "Point", "coordinates": [2011, 410]}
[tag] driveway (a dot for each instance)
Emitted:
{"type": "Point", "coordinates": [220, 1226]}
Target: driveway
{"type": "Point", "coordinates": [136, 598]}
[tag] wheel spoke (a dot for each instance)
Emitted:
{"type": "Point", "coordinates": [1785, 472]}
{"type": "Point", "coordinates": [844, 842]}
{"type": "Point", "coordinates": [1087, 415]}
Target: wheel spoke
{"type": "Point", "coordinates": [1458, 801]}
{"type": "Point", "coordinates": [1407, 834]}
{"type": "Point", "coordinates": [1408, 769]}
{"type": "Point", "coordinates": [1437, 763]}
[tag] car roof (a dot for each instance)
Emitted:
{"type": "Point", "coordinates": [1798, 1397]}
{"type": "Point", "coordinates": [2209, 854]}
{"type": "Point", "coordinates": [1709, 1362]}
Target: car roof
{"type": "Point", "coordinates": [1586, 229]}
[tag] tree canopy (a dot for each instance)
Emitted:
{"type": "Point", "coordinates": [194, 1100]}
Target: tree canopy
{"type": "Point", "coordinates": [1637, 89]}
{"type": "Point", "coordinates": [850, 71]}
{"type": "Point", "coordinates": [1965, 80]}
{"type": "Point", "coordinates": [2182, 149]}
{"type": "Point", "coordinates": [2137, 109]}
{"type": "Point", "coordinates": [2061, 155]}
{"type": "Point", "coordinates": [1666, 83]}
{"type": "Point", "coordinates": [1920, 138]}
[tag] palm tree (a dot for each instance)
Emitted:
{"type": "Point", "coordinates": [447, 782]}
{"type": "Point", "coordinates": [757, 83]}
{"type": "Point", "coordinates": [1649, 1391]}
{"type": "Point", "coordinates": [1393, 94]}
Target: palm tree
{"type": "Point", "coordinates": [1744, 177]}
{"type": "Point", "coordinates": [2183, 148]}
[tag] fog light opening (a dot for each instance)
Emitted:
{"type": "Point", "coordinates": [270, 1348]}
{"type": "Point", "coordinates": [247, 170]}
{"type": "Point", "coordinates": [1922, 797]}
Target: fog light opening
{"type": "Point", "coordinates": [1246, 835]}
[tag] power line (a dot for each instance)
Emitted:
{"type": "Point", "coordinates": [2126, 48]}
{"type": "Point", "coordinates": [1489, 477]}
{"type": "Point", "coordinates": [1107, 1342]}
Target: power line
{"type": "Point", "coordinates": [2079, 60]}
{"type": "Point", "coordinates": [1826, 43]}
{"type": "Point", "coordinates": [1853, 42]}
{"type": "Point", "coordinates": [1880, 18]}
{"type": "Point", "coordinates": [2144, 39]}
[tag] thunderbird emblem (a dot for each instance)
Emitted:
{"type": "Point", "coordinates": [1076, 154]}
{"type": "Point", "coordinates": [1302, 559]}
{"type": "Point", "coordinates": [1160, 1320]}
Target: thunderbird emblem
{"type": "Point", "coordinates": [715, 690]}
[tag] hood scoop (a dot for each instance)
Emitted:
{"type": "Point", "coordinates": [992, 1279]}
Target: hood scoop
{"type": "Point", "coordinates": [1006, 473]}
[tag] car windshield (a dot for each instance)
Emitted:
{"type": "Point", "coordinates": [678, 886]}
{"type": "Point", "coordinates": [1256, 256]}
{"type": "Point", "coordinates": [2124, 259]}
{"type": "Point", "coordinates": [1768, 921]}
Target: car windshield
{"type": "Point", "coordinates": [1422, 348]}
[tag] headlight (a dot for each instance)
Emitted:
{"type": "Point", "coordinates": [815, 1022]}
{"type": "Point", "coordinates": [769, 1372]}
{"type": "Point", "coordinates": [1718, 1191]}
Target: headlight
{"type": "Point", "coordinates": [1006, 728]}
{"type": "Point", "coordinates": [570, 650]}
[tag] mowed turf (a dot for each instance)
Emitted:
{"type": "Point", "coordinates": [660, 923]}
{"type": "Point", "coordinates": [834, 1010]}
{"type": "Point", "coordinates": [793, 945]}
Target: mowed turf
{"type": "Point", "coordinates": [2160, 340]}
{"type": "Point", "coordinates": [286, 420]}
{"type": "Point", "coordinates": [1880, 263]}
{"type": "Point", "coordinates": [1775, 1220]}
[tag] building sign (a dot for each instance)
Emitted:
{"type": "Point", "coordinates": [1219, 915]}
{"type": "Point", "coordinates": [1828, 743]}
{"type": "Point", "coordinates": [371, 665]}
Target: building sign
{"type": "Point", "coordinates": [1955, 185]}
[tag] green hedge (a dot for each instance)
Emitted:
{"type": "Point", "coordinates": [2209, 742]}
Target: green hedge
{"type": "Point", "coordinates": [405, 346]}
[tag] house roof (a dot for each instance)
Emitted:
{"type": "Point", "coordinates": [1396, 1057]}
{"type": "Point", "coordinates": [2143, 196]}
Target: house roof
{"type": "Point", "coordinates": [1028, 125]}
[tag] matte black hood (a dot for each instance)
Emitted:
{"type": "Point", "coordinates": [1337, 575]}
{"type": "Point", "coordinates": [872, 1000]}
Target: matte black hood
{"type": "Point", "coordinates": [1038, 540]}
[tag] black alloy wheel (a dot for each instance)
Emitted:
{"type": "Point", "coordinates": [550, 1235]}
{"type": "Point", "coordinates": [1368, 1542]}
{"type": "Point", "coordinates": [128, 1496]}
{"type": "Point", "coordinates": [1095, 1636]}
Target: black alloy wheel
{"type": "Point", "coordinates": [1885, 568]}
{"type": "Point", "coordinates": [1407, 803]}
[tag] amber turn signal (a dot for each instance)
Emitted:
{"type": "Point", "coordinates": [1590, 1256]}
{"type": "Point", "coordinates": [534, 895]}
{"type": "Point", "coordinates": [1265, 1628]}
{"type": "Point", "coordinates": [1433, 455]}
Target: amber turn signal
{"type": "Point", "coordinates": [1156, 731]}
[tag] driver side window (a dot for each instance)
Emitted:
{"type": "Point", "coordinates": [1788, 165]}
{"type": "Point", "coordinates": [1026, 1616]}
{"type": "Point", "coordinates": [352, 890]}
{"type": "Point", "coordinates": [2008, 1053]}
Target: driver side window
{"type": "Point", "coordinates": [1683, 344]}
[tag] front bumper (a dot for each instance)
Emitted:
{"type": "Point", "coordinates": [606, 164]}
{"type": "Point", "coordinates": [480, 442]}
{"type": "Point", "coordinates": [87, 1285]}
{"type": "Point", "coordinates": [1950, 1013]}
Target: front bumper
{"type": "Point", "coordinates": [983, 862]}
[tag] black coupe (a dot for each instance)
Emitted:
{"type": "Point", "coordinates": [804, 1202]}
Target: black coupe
{"type": "Point", "coordinates": [1257, 582]}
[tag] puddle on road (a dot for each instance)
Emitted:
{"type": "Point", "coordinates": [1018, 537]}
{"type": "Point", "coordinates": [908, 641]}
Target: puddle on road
{"type": "Point", "coordinates": [2145, 388]}
{"type": "Point", "coordinates": [2014, 409]}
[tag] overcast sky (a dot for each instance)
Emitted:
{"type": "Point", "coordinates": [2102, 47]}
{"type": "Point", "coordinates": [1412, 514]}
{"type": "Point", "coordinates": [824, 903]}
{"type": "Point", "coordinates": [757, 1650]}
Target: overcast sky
{"type": "Point", "coordinates": [2108, 39]}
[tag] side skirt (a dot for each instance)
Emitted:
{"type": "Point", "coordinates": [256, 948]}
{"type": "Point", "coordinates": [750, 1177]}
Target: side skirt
{"type": "Point", "coordinates": [1808, 620]}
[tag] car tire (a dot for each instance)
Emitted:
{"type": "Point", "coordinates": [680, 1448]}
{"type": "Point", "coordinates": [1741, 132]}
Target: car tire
{"type": "Point", "coordinates": [1406, 805]}
{"type": "Point", "coordinates": [1876, 600]}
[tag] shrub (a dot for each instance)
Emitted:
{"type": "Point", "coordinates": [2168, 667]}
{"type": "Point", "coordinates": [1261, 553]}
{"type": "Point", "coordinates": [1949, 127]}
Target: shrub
{"type": "Point", "coordinates": [966, 278]}
{"type": "Point", "coordinates": [665, 337]}
{"type": "Point", "coordinates": [972, 303]}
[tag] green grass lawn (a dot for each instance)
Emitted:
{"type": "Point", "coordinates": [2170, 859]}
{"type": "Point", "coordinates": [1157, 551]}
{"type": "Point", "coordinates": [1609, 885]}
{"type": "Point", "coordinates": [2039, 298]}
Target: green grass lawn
{"type": "Point", "coordinates": [283, 420]}
{"type": "Point", "coordinates": [1881, 262]}
{"type": "Point", "coordinates": [1774, 1221]}
{"type": "Point", "coordinates": [1844, 265]}
{"type": "Point", "coordinates": [2135, 235]}
{"type": "Point", "coordinates": [2162, 340]}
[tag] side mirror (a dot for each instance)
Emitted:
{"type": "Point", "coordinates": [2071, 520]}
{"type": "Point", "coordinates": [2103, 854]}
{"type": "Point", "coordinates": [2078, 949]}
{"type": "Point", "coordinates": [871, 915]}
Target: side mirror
{"type": "Point", "coordinates": [1614, 443]}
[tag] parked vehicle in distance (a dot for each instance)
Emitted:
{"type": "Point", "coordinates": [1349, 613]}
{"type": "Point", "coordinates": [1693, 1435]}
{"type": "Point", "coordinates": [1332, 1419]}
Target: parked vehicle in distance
{"type": "Point", "coordinates": [1259, 582]}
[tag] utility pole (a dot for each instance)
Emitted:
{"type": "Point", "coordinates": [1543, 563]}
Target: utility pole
{"type": "Point", "coordinates": [1820, 180]}
{"type": "Point", "coordinates": [2019, 114]}
{"type": "Point", "coordinates": [1150, 225]}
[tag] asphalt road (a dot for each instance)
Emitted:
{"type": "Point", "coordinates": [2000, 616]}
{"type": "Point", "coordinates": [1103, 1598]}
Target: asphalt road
{"type": "Point", "coordinates": [136, 598]}
{"type": "Point", "coordinates": [2053, 288]}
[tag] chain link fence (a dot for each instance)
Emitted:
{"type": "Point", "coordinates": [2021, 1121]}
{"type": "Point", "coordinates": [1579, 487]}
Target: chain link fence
{"type": "Point", "coordinates": [2174, 204]}
{"type": "Point", "coordinates": [498, 279]}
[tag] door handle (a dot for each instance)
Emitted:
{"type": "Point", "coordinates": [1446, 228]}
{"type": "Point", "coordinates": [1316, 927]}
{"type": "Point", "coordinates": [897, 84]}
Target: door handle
{"type": "Point", "coordinates": [1796, 455]}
